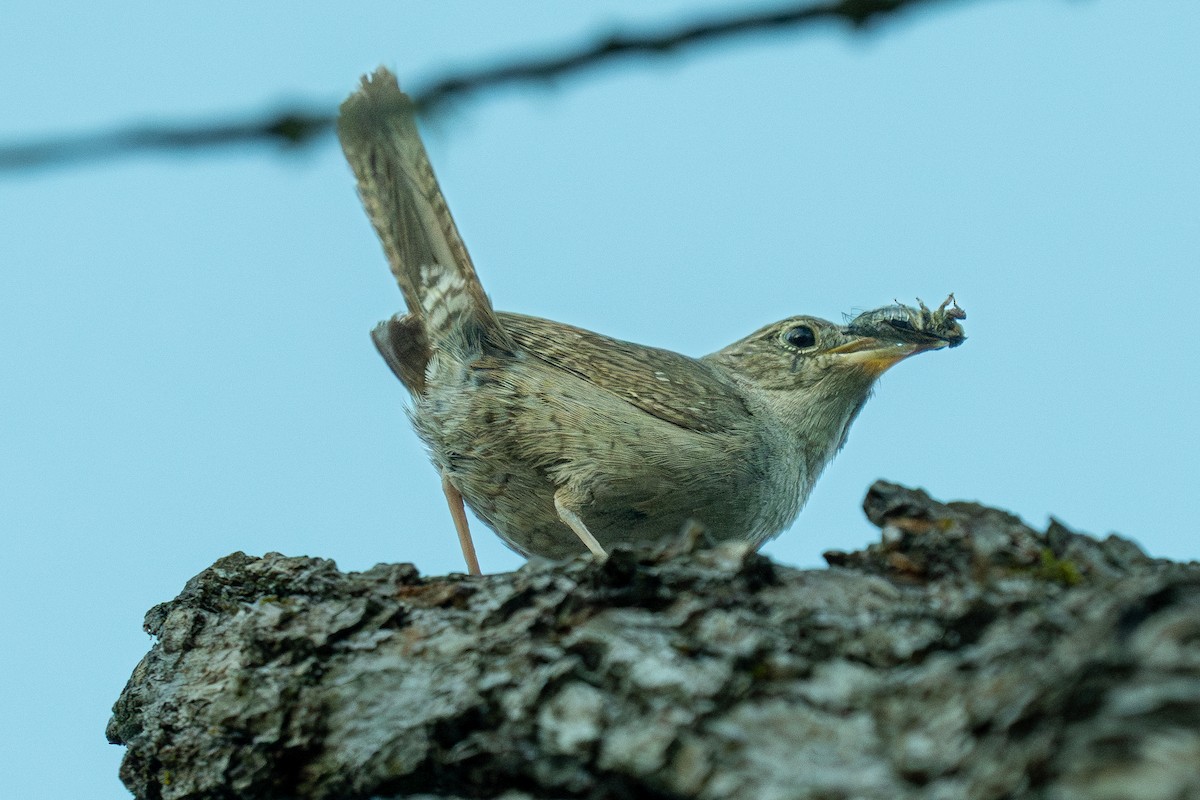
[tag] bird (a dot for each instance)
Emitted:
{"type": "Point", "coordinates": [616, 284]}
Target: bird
{"type": "Point", "coordinates": [566, 441]}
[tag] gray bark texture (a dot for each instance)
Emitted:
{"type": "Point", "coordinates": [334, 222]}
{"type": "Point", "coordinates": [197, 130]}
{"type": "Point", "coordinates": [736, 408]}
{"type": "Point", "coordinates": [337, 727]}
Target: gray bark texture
{"type": "Point", "coordinates": [965, 655]}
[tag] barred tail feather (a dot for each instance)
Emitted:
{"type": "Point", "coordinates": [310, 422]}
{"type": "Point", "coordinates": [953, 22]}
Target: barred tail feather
{"type": "Point", "coordinates": [405, 204]}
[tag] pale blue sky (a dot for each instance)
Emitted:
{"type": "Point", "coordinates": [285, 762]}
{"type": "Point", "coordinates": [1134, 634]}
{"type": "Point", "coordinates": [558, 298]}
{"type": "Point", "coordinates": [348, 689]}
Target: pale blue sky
{"type": "Point", "coordinates": [186, 368]}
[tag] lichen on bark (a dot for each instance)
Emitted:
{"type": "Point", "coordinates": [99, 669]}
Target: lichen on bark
{"type": "Point", "coordinates": [964, 655]}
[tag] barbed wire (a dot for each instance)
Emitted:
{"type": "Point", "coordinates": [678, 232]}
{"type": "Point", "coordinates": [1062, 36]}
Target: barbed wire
{"type": "Point", "coordinates": [303, 126]}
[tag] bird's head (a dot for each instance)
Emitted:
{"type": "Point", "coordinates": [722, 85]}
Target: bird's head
{"type": "Point", "coordinates": [818, 374]}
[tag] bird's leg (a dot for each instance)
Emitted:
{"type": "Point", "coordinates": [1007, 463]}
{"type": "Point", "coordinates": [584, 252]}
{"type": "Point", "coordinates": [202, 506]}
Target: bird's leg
{"type": "Point", "coordinates": [573, 521]}
{"type": "Point", "coordinates": [454, 499]}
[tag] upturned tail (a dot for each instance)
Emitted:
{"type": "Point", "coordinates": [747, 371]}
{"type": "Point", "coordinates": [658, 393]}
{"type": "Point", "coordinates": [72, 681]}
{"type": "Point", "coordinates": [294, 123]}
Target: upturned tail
{"type": "Point", "coordinates": [405, 204]}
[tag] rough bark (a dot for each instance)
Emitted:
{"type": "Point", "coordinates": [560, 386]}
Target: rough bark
{"type": "Point", "coordinates": [965, 655]}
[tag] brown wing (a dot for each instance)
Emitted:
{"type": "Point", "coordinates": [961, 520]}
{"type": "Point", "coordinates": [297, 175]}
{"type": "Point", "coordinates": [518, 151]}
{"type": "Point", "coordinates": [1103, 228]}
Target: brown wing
{"type": "Point", "coordinates": [681, 390]}
{"type": "Point", "coordinates": [402, 342]}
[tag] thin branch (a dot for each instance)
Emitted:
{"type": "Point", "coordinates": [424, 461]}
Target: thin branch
{"type": "Point", "coordinates": [301, 127]}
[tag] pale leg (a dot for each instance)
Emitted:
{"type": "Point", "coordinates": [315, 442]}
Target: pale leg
{"type": "Point", "coordinates": [572, 521]}
{"type": "Point", "coordinates": [459, 514]}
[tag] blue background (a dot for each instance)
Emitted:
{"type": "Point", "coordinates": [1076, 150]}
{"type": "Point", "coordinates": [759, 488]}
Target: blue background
{"type": "Point", "coordinates": [183, 339]}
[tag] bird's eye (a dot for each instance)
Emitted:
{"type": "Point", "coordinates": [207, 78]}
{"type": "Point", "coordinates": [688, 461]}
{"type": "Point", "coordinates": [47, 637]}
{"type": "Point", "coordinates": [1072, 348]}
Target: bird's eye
{"type": "Point", "coordinates": [800, 336]}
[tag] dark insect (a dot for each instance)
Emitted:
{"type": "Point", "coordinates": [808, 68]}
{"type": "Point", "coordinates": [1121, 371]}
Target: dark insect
{"type": "Point", "coordinates": [913, 324]}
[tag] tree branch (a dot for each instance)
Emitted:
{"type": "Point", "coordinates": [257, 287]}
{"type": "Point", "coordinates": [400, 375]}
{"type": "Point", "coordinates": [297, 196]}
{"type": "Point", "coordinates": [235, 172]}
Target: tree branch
{"type": "Point", "coordinates": [304, 126]}
{"type": "Point", "coordinates": [963, 654]}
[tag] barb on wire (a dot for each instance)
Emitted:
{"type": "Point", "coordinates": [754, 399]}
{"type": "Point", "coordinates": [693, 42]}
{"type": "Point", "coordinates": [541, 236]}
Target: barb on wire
{"type": "Point", "coordinates": [303, 127]}
{"type": "Point", "coordinates": [294, 128]}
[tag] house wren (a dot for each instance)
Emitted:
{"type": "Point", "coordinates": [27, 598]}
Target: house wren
{"type": "Point", "coordinates": [560, 438]}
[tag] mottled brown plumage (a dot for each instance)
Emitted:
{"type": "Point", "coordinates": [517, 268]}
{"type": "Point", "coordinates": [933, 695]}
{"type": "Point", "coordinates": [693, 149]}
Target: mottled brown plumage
{"type": "Point", "coordinates": [560, 438]}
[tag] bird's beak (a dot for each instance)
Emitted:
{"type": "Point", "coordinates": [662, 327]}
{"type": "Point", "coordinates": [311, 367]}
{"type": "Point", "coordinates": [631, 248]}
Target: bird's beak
{"type": "Point", "coordinates": [877, 356]}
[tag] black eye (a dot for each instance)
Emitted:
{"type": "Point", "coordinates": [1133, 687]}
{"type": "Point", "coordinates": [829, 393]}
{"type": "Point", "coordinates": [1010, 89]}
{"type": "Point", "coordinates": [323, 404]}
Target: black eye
{"type": "Point", "coordinates": [800, 336]}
